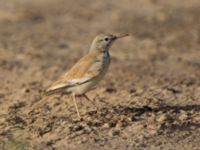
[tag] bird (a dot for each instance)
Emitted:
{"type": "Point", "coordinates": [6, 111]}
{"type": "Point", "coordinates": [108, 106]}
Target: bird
{"type": "Point", "coordinates": [88, 71]}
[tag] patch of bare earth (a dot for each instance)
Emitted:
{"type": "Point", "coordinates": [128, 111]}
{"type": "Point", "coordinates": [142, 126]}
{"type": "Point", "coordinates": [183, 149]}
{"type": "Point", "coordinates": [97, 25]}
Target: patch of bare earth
{"type": "Point", "coordinates": [150, 98]}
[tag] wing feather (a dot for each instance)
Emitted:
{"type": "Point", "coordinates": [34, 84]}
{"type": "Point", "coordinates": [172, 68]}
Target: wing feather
{"type": "Point", "coordinates": [82, 72]}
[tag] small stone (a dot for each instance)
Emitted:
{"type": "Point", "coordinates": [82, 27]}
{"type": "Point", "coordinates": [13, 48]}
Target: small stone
{"type": "Point", "coordinates": [83, 140]}
{"type": "Point", "coordinates": [183, 116]}
{"type": "Point", "coordinates": [62, 45]}
{"type": "Point", "coordinates": [139, 92]}
{"type": "Point", "coordinates": [122, 124]}
{"type": "Point", "coordinates": [174, 89]}
{"type": "Point", "coordinates": [27, 90]}
{"type": "Point", "coordinates": [97, 123]}
{"type": "Point", "coordinates": [111, 90]}
{"type": "Point", "coordinates": [113, 132]}
{"type": "Point", "coordinates": [132, 91]}
{"type": "Point", "coordinates": [112, 123]}
{"type": "Point", "coordinates": [106, 126]}
{"type": "Point", "coordinates": [78, 128]}
{"type": "Point", "coordinates": [161, 118]}
{"type": "Point", "coordinates": [87, 129]}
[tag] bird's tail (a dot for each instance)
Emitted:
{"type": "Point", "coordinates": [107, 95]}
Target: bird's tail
{"type": "Point", "coordinates": [51, 92]}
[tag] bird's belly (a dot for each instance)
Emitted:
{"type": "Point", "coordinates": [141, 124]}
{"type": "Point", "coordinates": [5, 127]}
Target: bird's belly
{"type": "Point", "coordinates": [85, 87]}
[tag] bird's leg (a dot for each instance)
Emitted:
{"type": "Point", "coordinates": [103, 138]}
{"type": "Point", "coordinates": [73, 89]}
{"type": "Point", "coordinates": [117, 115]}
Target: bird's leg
{"type": "Point", "coordinates": [74, 99]}
{"type": "Point", "coordinates": [86, 97]}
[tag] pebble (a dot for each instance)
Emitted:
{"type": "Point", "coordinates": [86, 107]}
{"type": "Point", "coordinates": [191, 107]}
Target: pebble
{"type": "Point", "coordinates": [113, 132]}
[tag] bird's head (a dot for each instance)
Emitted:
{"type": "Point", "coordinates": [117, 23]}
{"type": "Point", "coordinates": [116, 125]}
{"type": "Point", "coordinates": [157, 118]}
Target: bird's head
{"type": "Point", "coordinates": [103, 42]}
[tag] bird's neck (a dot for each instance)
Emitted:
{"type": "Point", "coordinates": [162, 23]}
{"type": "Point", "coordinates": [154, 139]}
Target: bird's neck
{"type": "Point", "coordinates": [98, 50]}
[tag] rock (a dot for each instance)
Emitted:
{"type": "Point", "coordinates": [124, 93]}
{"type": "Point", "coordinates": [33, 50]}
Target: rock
{"type": "Point", "coordinates": [113, 132]}
{"type": "Point", "coordinates": [161, 118]}
{"type": "Point", "coordinates": [106, 126]}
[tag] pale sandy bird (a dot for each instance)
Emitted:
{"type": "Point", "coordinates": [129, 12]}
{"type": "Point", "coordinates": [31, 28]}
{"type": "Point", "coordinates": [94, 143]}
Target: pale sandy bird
{"type": "Point", "coordinates": [88, 71]}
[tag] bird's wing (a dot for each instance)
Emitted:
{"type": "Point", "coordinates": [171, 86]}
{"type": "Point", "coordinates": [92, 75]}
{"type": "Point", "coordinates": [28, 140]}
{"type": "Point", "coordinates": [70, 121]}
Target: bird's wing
{"type": "Point", "coordinates": [83, 71]}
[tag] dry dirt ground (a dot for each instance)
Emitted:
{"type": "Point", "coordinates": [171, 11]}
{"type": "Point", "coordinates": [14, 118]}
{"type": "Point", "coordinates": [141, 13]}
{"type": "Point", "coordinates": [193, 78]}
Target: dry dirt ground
{"type": "Point", "coordinates": [150, 98]}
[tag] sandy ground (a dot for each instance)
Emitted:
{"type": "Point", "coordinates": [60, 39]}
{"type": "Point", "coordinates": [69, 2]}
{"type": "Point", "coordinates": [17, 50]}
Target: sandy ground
{"type": "Point", "coordinates": [150, 98]}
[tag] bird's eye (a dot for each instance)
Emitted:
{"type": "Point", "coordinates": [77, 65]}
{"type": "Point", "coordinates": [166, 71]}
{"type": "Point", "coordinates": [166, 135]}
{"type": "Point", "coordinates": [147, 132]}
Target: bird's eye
{"type": "Point", "coordinates": [106, 39]}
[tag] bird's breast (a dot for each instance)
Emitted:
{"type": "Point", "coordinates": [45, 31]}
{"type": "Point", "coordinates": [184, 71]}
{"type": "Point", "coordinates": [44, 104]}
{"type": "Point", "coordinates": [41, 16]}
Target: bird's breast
{"type": "Point", "coordinates": [104, 62]}
{"type": "Point", "coordinates": [100, 66]}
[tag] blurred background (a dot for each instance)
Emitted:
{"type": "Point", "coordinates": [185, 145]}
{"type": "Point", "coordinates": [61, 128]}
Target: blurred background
{"type": "Point", "coordinates": [157, 65]}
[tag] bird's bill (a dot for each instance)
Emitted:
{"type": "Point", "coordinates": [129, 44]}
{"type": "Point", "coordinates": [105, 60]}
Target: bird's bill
{"type": "Point", "coordinates": [121, 36]}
